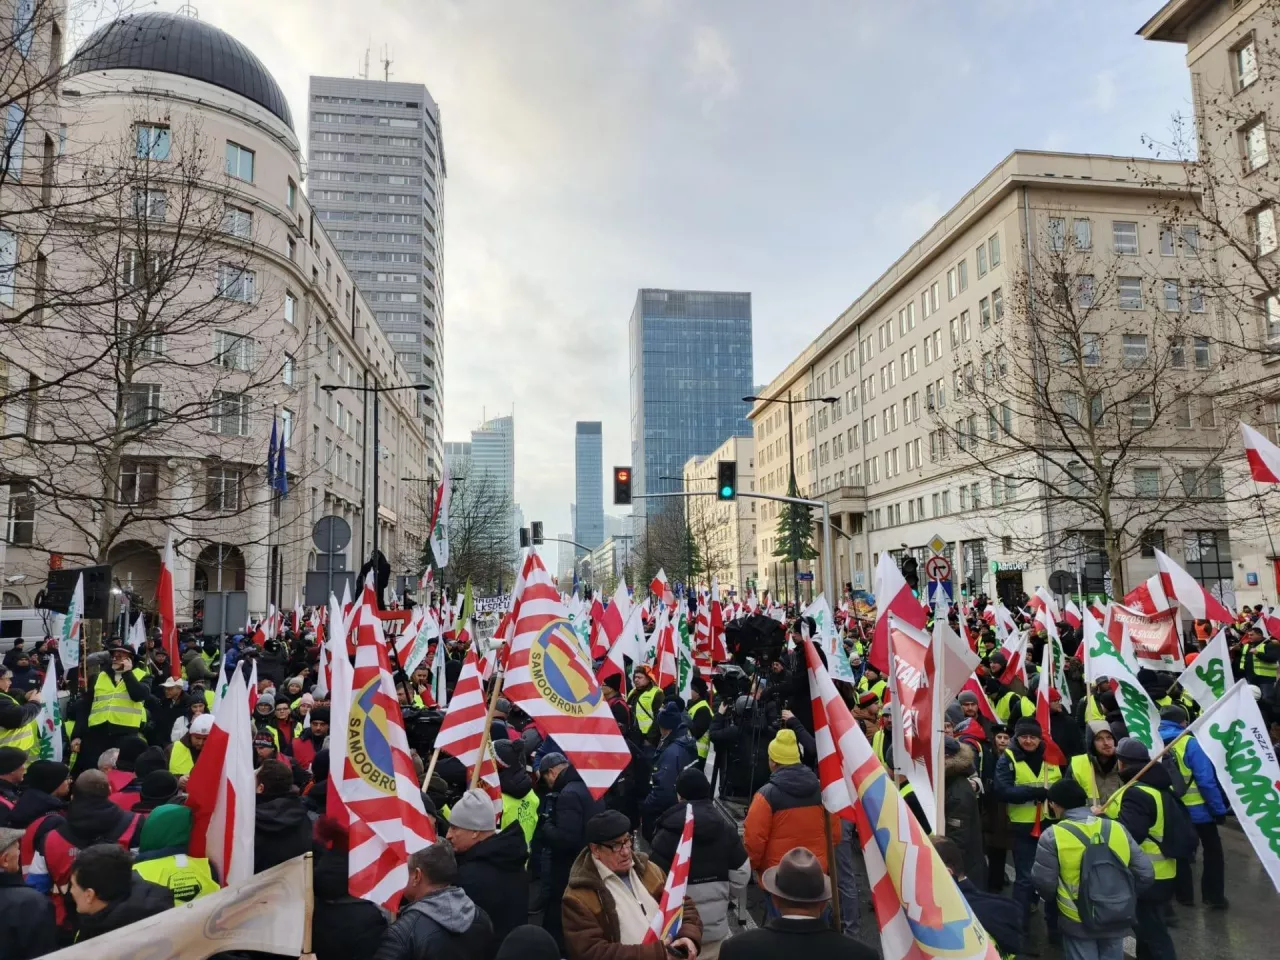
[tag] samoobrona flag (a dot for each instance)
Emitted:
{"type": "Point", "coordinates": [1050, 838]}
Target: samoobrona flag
{"type": "Point", "coordinates": [920, 911]}
{"type": "Point", "coordinates": [548, 678]}
{"type": "Point", "coordinates": [462, 732]}
{"type": "Point", "coordinates": [1232, 735]}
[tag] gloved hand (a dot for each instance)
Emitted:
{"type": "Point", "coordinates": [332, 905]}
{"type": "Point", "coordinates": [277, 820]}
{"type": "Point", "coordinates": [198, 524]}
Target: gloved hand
{"type": "Point", "coordinates": [1042, 794]}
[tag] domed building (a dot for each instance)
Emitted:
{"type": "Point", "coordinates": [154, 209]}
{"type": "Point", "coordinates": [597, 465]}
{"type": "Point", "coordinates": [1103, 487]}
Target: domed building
{"type": "Point", "coordinates": [211, 373]}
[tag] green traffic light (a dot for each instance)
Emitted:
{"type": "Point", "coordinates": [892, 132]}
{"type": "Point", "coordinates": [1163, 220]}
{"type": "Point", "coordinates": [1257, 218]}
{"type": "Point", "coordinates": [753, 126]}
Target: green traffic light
{"type": "Point", "coordinates": [726, 492]}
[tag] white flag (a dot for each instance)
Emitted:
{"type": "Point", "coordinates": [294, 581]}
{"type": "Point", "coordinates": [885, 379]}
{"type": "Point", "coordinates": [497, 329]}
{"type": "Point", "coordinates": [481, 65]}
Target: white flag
{"type": "Point", "coordinates": [49, 719]}
{"type": "Point", "coordinates": [439, 536]}
{"type": "Point", "coordinates": [1103, 661]}
{"type": "Point", "coordinates": [1210, 676]}
{"type": "Point", "coordinates": [1232, 735]}
{"type": "Point", "coordinates": [72, 621]}
{"type": "Point", "coordinates": [837, 659]}
{"type": "Point", "coordinates": [138, 634]}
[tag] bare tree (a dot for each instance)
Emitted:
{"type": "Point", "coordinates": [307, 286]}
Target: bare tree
{"type": "Point", "coordinates": [481, 548]}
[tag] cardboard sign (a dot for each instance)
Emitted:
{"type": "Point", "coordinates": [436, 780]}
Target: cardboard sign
{"type": "Point", "coordinates": [1154, 636]}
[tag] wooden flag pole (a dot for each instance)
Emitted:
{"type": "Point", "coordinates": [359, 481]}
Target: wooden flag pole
{"type": "Point", "coordinates": [431, 768]}
{"type": "Point", "coordinates": [484, 736]}
{"type": "Point", "coordinates": [833, 872]}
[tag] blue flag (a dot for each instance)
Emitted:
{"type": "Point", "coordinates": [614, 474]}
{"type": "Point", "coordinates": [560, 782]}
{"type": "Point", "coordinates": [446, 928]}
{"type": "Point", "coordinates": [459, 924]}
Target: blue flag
{"type": "Point", "coordinates": [282, 475]}
{"type": "Point", "coordinates": [272, 455]}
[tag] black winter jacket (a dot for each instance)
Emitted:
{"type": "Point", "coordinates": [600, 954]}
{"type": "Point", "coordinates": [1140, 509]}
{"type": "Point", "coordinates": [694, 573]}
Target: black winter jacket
{"type": "Point", "coordinates": [342, 926]}
{"type": "Point", "coordinates": [282, 831]}
{"type": "Point", "coordinates": [493, 875]}
{"type": "Point", "coordinates": [26, 919]}
{"type": "Point", "coordinates": [145, 899]}
{"type": "Point", "coordinates": [563, 829]}
{"type": "Point", "coordinates": [445, 925]}
{"type": "Point", "coordinates": [964, 819]}
{"type": "Point", "coordinates": [717, 848]}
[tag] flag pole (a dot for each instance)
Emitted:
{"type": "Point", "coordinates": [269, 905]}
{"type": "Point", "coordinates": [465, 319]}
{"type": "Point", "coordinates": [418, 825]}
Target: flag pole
{"type": "Point", "coordinates": [832, 871]}
{"type": "Point", "coordinates": [939, 735]}
{"type": "Point", "coordinates": [484, 736]}
{"type": "Point", "coordinates": [431, 768]}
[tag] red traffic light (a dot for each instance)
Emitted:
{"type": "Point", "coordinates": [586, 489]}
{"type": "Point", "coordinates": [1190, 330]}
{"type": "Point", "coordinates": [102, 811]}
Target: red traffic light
{"type": "Point", "coordinates": [623, 474]}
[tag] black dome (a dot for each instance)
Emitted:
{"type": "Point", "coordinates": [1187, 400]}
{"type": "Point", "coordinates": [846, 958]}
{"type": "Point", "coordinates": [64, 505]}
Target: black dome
{"type": "Point", "coordinates": [172, 43]}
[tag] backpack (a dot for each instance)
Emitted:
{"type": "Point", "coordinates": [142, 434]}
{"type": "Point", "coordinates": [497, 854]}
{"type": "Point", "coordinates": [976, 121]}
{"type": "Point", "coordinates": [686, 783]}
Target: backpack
{"type": "Point", "coordinates": [1180, 838]}
{"type": "Point", "coordinates": [1178, 784]}
{"type": "Point", "coordinates": [1107, 899]}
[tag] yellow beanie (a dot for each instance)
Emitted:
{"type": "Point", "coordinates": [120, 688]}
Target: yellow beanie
{"type": "Point", "coordinates": [784, 751]}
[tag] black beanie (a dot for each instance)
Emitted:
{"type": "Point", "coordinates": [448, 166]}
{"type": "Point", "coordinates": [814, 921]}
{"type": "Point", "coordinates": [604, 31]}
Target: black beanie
{"type": "Point", "coordinates": [692, 784]}
{"type": "Point", "coordinates": [1068, 794]}
{"type": "Point", "coordinates": [149, 761]}
{"type": "Point", "coordinates": [320, 713]}
{"type": "Point", "coordinates": [1028, 727]}
{"type": "Point", "coordinates": [11, 759]}
{"type": "Point", "coordinates": [130, 749]}
{"type": "Point", "coordinates": [46, 775]}
{"type": "Point", "coordinates": [320, 765]}
{"type": "Point", "coordinates": [607, 827]}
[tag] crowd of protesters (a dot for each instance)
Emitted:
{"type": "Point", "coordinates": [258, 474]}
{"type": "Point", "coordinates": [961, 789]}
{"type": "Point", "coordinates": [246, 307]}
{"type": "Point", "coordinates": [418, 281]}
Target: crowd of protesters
{"type": "Point", "coordinates": [102, 840]}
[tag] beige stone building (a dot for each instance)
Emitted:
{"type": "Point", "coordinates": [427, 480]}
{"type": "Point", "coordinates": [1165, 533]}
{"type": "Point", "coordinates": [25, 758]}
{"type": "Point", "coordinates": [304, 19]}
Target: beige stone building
{"type": "Point", "coordinates": [725, 531]}
{"type": "Point", "coordinates": [211, 308]}
{"type": "Point", "coordinates": [941, 402]}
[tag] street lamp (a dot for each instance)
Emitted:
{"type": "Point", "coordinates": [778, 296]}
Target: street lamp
{"type": "Point", "coordinates": [791, 459]}
{"type": "Point", "coordinates": [376, 391]}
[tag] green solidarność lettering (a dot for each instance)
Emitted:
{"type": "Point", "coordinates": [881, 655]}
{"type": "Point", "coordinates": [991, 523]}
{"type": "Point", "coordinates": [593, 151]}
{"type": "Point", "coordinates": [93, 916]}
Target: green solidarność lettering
{"type": "Point", "coordinates": [1133, 707]}
{"type": "Point", "coordinates": [1213, 675]}
{"type": "Point", "coordinates": [1261, 797]}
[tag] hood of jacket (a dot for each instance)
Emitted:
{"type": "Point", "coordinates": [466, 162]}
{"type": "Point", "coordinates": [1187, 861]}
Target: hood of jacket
{"type": "Point", "coordinates": [450, 907]}
{"type": "Point", "coordinates": [515, 781]}
{"type": "Point", "coordinates": [329, 870]}
{"type": "Point", "coordinates": [505, 850]}
{"type": "Point", "coordinates": [1169, 730]}
{"type": "Point", "coordinates": [92, 818]}
{"type": "Point", "coordinates": [280, 815]}
{"type": "Point", "coordinates": [960, 764]}
{"type": "Point", "coordinates": [796, 780]}
{"type": "Point", "coordinates": [566, 776]}
{"type": "Point", "coordinates": [32, 805]}
{"type": "Point", "coordinates": [168, 825]}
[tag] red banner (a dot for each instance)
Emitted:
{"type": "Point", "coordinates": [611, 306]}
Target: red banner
{"type": "Point", "coordinates": [1154, 636]}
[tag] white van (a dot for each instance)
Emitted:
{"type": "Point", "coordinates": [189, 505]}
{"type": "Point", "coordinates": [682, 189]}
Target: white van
{"type": "Point", "coordinates": [32, 625]}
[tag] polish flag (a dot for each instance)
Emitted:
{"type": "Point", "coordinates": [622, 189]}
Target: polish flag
{"type": "Point", "coordinates": [168, 609]}
{"type": "Point", "coordinates": [1195, 599]}
{"type": "Point", "coordinates": [598, 649]}
{"type": "Point", "coordinates": [719, 651]}
{"type": "Point", "coordinates": [659, 590]}
{"type": "Point", "coordinates": [221, 791]}
{"type": "Point", "coordinates": [665, 667]}
{"type": "Point", "coordinates": [1263, 455]}
{"type": "Point", "coordinates": [892, 596]}
{"type": "Point", "coordinates": [613, 619]}
{"type": "Point", "coordinates": [1072, 614]}
{"type": "Point", "coordinates": [1052, 752]}
{"type": "Point", "coordinates": [1015, 650]}
{"type": "Point", "coordinates": [1149, 596]}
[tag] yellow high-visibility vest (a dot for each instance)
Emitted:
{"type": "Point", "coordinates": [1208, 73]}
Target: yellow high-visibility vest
{"type": "Point", "coordinates": [1165, 868]}
{"type": "Point", "coordinates": [25, 737]}
{"type": "Point", "coordinates": [704, 741]}
{"type": "Point", "coordinates": [525, 810]}
{"type": "Point", "coordinates": [112, 703]}
{"type": "Point", "coordinates": [1071, 855]}
{"type": "Point", "coordinates": [644, 710]}
{"type": "Point", "coordinates": [188, 877]}
{"type": "Point", "coordinates": [1024, 776]}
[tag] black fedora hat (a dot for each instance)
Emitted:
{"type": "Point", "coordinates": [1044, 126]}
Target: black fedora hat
{"type": "Point", "coordinates": [798, 877]}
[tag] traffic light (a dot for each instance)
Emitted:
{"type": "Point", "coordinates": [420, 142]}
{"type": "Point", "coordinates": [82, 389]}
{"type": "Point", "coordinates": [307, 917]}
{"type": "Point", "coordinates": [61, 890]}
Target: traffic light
{"type": "Point", "coordinates": [911, 573]}
{"type": "Point", "coordinates": [727, 480]}
{"type": "Point", "coordinates": [621, 486]}
{"type": "Point", "coordinates": [524, 537]}
{"type": "Point", "coordinates": [535, 532]}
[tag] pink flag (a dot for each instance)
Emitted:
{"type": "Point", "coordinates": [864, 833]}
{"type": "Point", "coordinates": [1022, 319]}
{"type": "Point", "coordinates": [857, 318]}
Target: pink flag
{"type": "Point", "coordinates": [168, 609]}
{"type": "Point", "coordinates": [1192, 597]}
{"type": "Point", "coordinates": [222, 790]}
{"type": "Point", "coordinates": [1263, 456]}
{"type": "Point", "coordinates": [665, 925]}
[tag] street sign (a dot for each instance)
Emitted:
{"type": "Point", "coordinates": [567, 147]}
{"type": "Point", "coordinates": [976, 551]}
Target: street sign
{"type": "Point", "coordinates": [937, 544]}
{"type": "Point", "coordinates": [805, 576]}
{"type": "Point", "coordinates": [938, 568]}
{"type": "Point", "coordinates": [331, 534]}
{"type": "Point", "coordinates": [936, 586]}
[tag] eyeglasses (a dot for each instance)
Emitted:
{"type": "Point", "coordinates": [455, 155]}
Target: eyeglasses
{"type": "Point", "coordinates": [619, 845]}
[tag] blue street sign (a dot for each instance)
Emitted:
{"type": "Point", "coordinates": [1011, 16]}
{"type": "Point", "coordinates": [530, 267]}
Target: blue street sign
{"type": "Point", "coordinates": [944, 586]}
{"type": "Point", "coordinates": [805, 576]}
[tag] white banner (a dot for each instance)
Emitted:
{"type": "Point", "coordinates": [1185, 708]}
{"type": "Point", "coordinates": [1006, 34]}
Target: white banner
{"type": "Point", "coordinates": [492, 604]}
{"type": "Point", "coordinates": [270, 912]}
{"type": "Point", "coordinates": [1210, 676]}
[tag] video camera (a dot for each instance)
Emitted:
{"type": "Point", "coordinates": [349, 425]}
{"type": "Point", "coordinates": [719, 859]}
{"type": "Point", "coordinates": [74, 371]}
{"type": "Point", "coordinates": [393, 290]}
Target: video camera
{"type": "Point", "coordinates": [757, 637]}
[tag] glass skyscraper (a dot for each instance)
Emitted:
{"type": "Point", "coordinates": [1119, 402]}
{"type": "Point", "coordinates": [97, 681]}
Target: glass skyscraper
{"type": "Point", "coordinates": [690, 368]}
{"type": "Point", "coordinates": [588, 462]}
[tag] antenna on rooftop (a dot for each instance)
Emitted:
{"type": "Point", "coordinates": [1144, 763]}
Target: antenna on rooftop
{"type": "Point", "coordinates": [386, 63]}
{"type": "Point", "coordinates": [188, 10]}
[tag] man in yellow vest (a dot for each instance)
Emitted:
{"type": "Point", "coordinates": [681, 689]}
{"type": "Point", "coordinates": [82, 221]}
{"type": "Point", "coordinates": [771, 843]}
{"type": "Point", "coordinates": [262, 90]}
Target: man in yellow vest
{"type": "Point", "coordinates": [18, 717]}
{"type": "Point", "coordinates": [116, 705]}
{"type": "Point", "coordinates": [1022, 781]}
{"type": "Point", "coordinates": [645, 701]}
{"type": "Point", "coordinates": [700, 719]}
{"type": "Point", "coordinates": [1097, 770]}
{"type": "Point", "coordinates": [520, 801]}
{"type": "Point", "coordinates": [1206, 806]}
{"type": "Point", "coordinates": [163, 859]}
{"type": "Point", "coordinates": [1057, 871]}
{"type": "Point", "coordinates": [1148, 810]}
{"type": "Point", "coordinates": [1260, 660]}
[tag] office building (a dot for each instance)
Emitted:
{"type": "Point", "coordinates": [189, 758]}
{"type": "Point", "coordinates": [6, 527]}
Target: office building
{"type": "Point", "coordinates": [376, 171]}
{"type": "Point", "coordinates": [566, 554]}
{"type": "Point", "coordinates": [489, 458]}
{"type": "Point", "coordinates": [691, 366]}
{"type": "Point", "coordinates": [588, 463]}
{"type": "Point", "coordinates": [725, 530]}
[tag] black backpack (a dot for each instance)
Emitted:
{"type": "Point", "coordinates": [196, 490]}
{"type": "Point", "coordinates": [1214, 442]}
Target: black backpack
{"type": "Point", "coordinates": [1178, 784]}
{"type": "Point", "coordinates": [1180, 839]}
{"type": "Point", "coordinates": [1107, 899]}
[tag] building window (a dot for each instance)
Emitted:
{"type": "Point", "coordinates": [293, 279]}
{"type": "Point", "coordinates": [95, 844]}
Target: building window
{"type": "Point", "coordinates": [1130, 293]}
{"type": "Point", "coordinates": [239, 162]}
{"type": "Point", "coordinates": [1146, 482]}
{"type": "Point", "coordinates": [982, 260]}
{"type": "Point", "coordinates": [1182, 413]}
{"type": "Point", "coordinates": [139, 482]}
{"type": "Point", "coordinates": [954, 330]}
{"type": "Point", "coordinates": [8, 267]}
{"type": "Point", "coordinates": [288, 371]}
{"type": "Point", "coordinates": [1168, 241]}
{"type": "Point", "coordinates": [290, 308]}
{"type": "Point", "coordinates": [235, 283]}
{"type": "Point", "coordinates": [1140, 408]}
{"type": "Point", "coordinates": [993, 248]}
{"type": "Point", "coordinates": [286, 427]}
{"type": "Point", "coordinates": [20, 528]}
{"type": "Point", "coordinates": [964, 326]}
{"type": "Point", "coordinates": [15, 131]}
{"type": "Point", "coordinates": [1263, 224]}
{"type": "Point", "coordinates": [1172, 296]}
{"type": "Point", "coordinates": [997, 303]}
{"type": "Point", "coordinates": [237, 222]}
{"type": "Point", "coordinates": [962, 275]}
{"type": "Point", "coordinates": [1135, 349]}
{"type": "Point", "coordinates": [223, 488]}
{"type": "Point", "coordinates": [1244, 62]}
{"type": "Point", "coordinates": [1203, 484]}
{"type": "Point", "coordinates": [1177, 353]}
{"type": "Point", "coordinates": [1207, 557]}
{"type": "Point", "coordinates": [1196, 298]}
{"type": "Point", "coordinates": [1253, 144]}
{"type": "Point", "coordinates": [291, 196]}
{"type": "Point", "coordinates": [1150, 541]}
{"type": "Point", "coordinates": [1270, 311]}
{"type": "Point", "coordinates": [1082, 233]}
{"type": "Point", "coordinates": [230, 414]}
{"type": "Point", "coordinates": [984, 313]}
{"type": "Point", "coordinates": [1124, 237]}
{"type": "Point", "coordinates": [1201, 345]}
{"type": "Point", "coordinates": [1091, 349]}
{"type": "Point", "coordinates": [141, 404]}
{"type": "Point", "coordinates": [951, 284]}
{"type": "Point", "coordinates": [151, 141]}
{"type": "Point", "coordinates": [1085, 286]}
{"type": "Point", "coordinates": [1208, 418]}
{"type": "Point", "coordinates": [149, 204]}
{"type": "Point", "coordinates": [1057, 234]}
{"type": "Point", "coordinates": [233, 351]}
{"type": "Point", "coordinates": [141, 341]}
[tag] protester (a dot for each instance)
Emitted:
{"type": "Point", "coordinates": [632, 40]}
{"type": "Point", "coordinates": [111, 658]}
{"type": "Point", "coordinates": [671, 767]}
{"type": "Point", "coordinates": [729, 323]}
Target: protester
{"type": "Point", "coordinates": [114, 707]}
{"type": "Point", "coordinates": [437, 921]}
{"type": "Point", "coordinates": [699, 712]}
{"type": "Point", "coordinates": [1207, 807]}
{"type": "Point", "coordinates": [18, 717]}
{"type": "Point", "coordinates": [562, 828]}
{"type": "Point", "coordinates": [282, 829]}
{"type": "Point", "coordinates": [719, 869]}
{"type": "Point", "coordinates": [13, 764]}
{"type": "Point", "coordinates": [342, 926]}
{"type": "Point", "coordinates": [1022, 781]}
{"type": "Point", "coordinates": [519, 800]}
{"type": "Point", "coordinates": [491, 864]}
{"type": "Point", "coordinates": [185, 752]}
{"type": "Point", "coordinates": [1058, 869]}
{"type": "Point", "coordinates": [148, 762]}
{"type": "Point", "coordinates": [800, 893]}
{"type": "Point", "coordinates": [311, 740]}
{"type": "Point", "coordinates": [786, 812]}
{"type": "Point", "coordinates": [612, 896]}
{"type": "Point", "coordinates": [173, 703]}
{"type": "Point", "coordinates": [961, 808]}
{"type": "Point", "coordinates": [645, 700]}
{"type": "Point", "coordinates": [27, 927]}
{"type": "Point", "coordinates": [676, 750]}
{"type": "Point", "coordinates": [107, 895]}
{"type": "Point", "coordinates": [158, 788]}
{"type": "Point", "coordinates": [163, 856]}
{"type": "Point", "coordinates": [527, 942]}
{"type": "Point", "coordinates": [1097, 770]}
{"type": "Point", "coordinates": [993, 912]}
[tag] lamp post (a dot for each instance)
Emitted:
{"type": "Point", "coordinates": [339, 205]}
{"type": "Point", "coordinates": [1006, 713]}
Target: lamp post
{"type": "Point", "coordinates": [791, 468]}
{"type": "Point", "coordinates": [376, 391]}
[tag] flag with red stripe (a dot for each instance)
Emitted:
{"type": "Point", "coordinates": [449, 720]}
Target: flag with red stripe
{"type": "Point", "coordinates": [222, 789]}
{"type": "Point", "coordinates": [1191, 596]}
{"type": "Point", "coordinates": [373, 772]}
{"type": "Point", "coordinates": [462, 732]}
{"type": "Point", "coordinates": [549, 679]}
{"type": "Point", "coordinates": [665, 925]}
{"type": "Point", "coordinates": [920, 911]}
{"type": "Point", "coordinates": [893, 595]}
{"type": "Point", "coordinates": [168, 610]}
{"type": "Point", "coordinates": [1262, 454]}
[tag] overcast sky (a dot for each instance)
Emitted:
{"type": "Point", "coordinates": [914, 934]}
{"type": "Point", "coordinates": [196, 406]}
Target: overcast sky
{"type": "Point", "coordinates": [792, 148]}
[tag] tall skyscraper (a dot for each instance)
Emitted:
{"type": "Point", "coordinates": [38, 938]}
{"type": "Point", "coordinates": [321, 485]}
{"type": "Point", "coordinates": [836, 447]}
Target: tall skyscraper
{"type": "Point", "coordinates": [690, 368]}
{"type": "Point", "coordinates": [376, 174]}
{"type": "Point", "coordinates": [493, 454]}
{"type": "Point", "coordinates": [588, 461]}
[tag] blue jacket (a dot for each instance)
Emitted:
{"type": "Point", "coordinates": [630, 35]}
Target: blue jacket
{"type": "Point", "coordinates": [1215, 804]}
{"type": "Point", "coordinates": [676, 751]}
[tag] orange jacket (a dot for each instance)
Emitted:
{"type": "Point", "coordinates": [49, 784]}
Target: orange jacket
{"type": "Point", "coordinates": [786, 813]}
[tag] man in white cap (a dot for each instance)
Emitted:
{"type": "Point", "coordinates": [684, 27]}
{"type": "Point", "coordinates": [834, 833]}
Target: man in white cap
{"type": "Point", "coordinates": [491, 864]}
{"type": "Point", "coordinates": [26, 915]}
{"type": "Point", "coordinates": [186, 752]}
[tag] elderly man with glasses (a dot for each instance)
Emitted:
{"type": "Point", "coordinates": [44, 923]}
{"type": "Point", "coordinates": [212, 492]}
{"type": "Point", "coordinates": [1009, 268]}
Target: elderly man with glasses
{"type": "Point", "coordinates": [612, 897]}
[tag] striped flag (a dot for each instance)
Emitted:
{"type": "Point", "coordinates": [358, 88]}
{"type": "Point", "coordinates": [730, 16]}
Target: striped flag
{"type": "Point", "coordinates": [1191, 596]}
{"type": "Point", "coordinates": [462, 732]}
{"type": "Point", "coordinates": [548, 678]}
{"type": "Point", "coordinates": [665, 925]}
{"type": "Point", "coordinates": [222, 790]}
{"type": "Point", "coordinates": [1262, 454]}
{"type": "Point", "coordinates": [438, 536]}
{"type": "Point", "coordinates": [372, 770]}
{"type": "Point", "coordinates": [920, 911]}
{"type": "Point", "coordinates": [666, 667]}
{"type": "Point", "coordinates": [168, 610]}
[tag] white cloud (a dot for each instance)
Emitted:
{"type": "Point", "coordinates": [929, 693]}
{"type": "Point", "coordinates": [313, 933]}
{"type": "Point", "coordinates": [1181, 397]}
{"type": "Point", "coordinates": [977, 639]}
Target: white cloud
{"type": "Point", "coordinates": [1104, 91]}
{"type": "Point", "coordinates": [712, 71]}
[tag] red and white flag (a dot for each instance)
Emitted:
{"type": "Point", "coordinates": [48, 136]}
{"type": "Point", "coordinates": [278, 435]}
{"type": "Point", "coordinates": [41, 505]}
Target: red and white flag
{"type": "Point", "coordinates": [222, 790]}
{"type": "Point", "coordinates": [439, 530]}
{"type": "Point", "coordinates": [1052, 752]}
{"type": "Point", "coordinates": [719, 650]}
{"type": "Point", "coordinates": [1014, 649]}
{"type": "Point", "coordinates": [462, 732]}
{"type": "Point", "coordinates": [893, 595]}
{"type": "Point", "coordinates": [665, 925]}
{"type": "Point", "coordinates": [372, 770]}
{"type": "Point", "coordinates": [1263, 456]}
{"type": "Point", "coordinates": [549, 679]}
{"type": "Point", "coordinates": [912, 680]}
{"type": "Point", "coordinates": [168, 609]}
{"type": "Point", "coordinates": [665, 666]}
{"type": "Point", "coordinates": [1071, 614]}
{"type": "Point", "coordinates": [614, 618]}
{"type": "Point", "coordinates": [598, 648]}
{"type": "Point", "coordinates": [660, 590]}
{"type": "Point", "coordinates": [1195, 599]}
{"type": "Point", "coordinates": [1148, 597]}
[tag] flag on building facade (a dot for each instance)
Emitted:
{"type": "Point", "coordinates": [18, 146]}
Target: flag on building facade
{"type": "Point", "coordinates": [167, 605]}
{"type": "Point", "coordinates": [371, 769]}
{"type": "Point", "coordinates": [222, 789]}
{"type": "Point", "coordinates": [920, 911]}
{"type": "Point", "coordinates": [665, 925]}
{"type": "Point", "coordinates": [550, 681]}
{"type": "Point", "coordinates": [439, 530]}
{"type": "Point", "coordinates": [1262, 454]}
